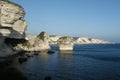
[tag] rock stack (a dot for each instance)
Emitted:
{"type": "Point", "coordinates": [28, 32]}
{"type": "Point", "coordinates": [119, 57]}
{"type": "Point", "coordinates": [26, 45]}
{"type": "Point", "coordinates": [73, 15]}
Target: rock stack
{"type": "Point", "coordinates": [35, 43]}
{"type": "Point", "coordinates": [65, 43]}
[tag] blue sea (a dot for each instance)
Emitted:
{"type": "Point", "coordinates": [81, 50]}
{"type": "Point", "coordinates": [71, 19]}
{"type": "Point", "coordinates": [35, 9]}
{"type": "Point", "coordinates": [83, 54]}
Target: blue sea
{"type": "Point", "coordinates": [85, 62]}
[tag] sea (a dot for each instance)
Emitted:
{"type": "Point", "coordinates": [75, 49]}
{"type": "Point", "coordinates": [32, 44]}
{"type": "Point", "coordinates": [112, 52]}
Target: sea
{"type": "Point", "coordinates": [85, 62]}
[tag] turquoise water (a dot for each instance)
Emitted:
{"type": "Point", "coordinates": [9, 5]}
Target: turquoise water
{"type": "Point", "coordinates": [85, 62]}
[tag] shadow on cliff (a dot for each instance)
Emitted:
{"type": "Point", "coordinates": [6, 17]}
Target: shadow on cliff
{"type": "Point", "coordinates": [8, 72]}
{"type": "Point", "coordinates": [14, 37]}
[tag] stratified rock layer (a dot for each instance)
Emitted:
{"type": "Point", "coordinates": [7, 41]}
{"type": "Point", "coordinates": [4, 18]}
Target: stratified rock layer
{"type": "Point", "coordinates": [35, 43]}
{"type": "Point", "coordinates": [11, 20]}
{"type": "Point", "coordinates": [12, 26]}
{"type": "Point", "coordinates": [65, 43]}
{"type": "Point", "coordinates": [85, 40]}
{"type": "Point", "coordinates": [79, 40]}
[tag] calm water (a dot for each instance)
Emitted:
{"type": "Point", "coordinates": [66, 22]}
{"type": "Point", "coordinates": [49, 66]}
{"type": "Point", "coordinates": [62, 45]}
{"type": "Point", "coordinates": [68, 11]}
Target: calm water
{"type": "Point", "coordinates": [86, 62]}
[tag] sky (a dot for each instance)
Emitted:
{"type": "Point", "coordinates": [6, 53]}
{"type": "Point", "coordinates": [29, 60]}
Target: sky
{"type": "Point", "coordinates": [89, 18]}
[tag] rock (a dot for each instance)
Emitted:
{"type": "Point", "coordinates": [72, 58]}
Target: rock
{"type": "Point", "coordinates": [10, 12]}
{"type": "Point", "coordinates": [42, 42]}
{"type": "Point", "coordinates": [12, 26]}
{"type": "Point", "coordinates": [22, 59]}
{"type": "Point", "coordinates": [53, 39]}
{"type": "Point", "coordinates": [35, 43]}
{"type": "Point", "coordinates": [98, 41]}
{"type": "Point", "coordinates": [4, 49]}
{"type": "Point", "coordinates": [36, 53]}
{"type": "Point", "coordinates": [79, 40]}
{"type": "Point", "coordinates": [85, 40]}
{"type": "Point", "coordinates": [51, 52]}
{"type": "Point", "coordinates": [65, 43]}
{"type": "Point", "coordinates": [43, 36]}
{"type": "Point", "coordinates": [20, 26]}
{"type": "Point", "coordinates": [11, 20]}
{"type": "Point", "coordinates": [29, 55]}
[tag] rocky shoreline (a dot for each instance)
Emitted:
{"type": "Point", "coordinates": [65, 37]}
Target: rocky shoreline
{"type": "Point", "coordinates": [16, 47]}
{"type": "Point", "coordinates": [8, 70]}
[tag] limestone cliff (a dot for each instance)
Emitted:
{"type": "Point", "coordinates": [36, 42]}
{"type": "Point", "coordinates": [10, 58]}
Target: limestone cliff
{"type": "Point", "coordinates": [35, 43]}
{"type": "Point", "coordinates": [12, 26]}
{"type": "Point", "coordinates": [53, 39]}
{"type": "Point", "coordinates": [65, 43]}
{"type": "Point", "coordinates": [11, 20]}
{"type": "Point", "coordinates": [85, 40]}
{"type": "Point", "coordinates": [79, 40]}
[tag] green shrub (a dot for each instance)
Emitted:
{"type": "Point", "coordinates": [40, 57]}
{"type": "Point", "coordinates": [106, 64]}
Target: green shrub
{"type": "Point", "coordinates": [41, 36]}
{"type": "Point", "coordinates": [26, 44]}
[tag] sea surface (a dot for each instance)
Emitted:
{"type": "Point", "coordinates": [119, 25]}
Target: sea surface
{"type": "Point", "coordinates": [85, 62]}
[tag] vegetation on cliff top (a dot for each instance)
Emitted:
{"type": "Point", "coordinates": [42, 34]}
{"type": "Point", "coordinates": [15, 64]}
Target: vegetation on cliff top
{"type": "Point", "coordinates": [41, 35]}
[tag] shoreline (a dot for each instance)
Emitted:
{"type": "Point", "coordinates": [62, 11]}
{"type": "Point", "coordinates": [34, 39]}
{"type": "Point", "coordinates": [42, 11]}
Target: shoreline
{"type": "Point", "coordinates": [7, 69]}
{"type": "Point", "coordinates": [8, 65]}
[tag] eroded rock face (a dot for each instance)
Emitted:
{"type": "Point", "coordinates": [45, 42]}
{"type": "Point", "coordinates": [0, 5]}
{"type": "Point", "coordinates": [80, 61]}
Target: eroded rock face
{"type": "Point", "coordinates": [35, 43]}
{"type": "Point", "coordinates": [11, 20]}
{"type": "Point", "coordinates": [43, 36]}
{"type": "Point", "coordinates": [53, 39]}
{"type": "Point", "coordinates": [42, 41]}
{"type": "Point", "coordinates": [65, 43]}
{"type": "Point", "coordinates": [4, 49]}
{"type": "Point", "coordinates": [79, 40]}
{"type": "Point", "coordinates": [12, 26]}
{"type": "Point", "coordinates": [85, 40]}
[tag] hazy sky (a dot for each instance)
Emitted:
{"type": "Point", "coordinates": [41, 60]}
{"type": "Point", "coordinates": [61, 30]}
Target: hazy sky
{"type": "Point", "coordinates": [90, 18]}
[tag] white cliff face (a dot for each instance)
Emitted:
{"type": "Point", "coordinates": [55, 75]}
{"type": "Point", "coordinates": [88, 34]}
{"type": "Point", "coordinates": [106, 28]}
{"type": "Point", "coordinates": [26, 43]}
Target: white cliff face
{"type": "Point", "coordinates": [20, 26]}
{"type": "Point", "coordinates": [80, 40]}
{"type": "Point", "coordinates": [42, 41]}
{"type": "Point", "coordinates": [12, 25]}
{"type": "Point", "coordinates": [85, 40]}
{"type": "Point", "coordinates": [35, 43]}
{"type": "Point", "coordinates": [65, 43]}
{"type": "Point", "coordinates": [11, 20]}
{"type": "Point", "coordinates": [53, 39]}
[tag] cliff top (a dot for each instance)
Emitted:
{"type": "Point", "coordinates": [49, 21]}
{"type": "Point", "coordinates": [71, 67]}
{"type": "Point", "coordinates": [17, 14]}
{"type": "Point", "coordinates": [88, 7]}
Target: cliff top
{"type": "Point", "coordinates": [12, 3]}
